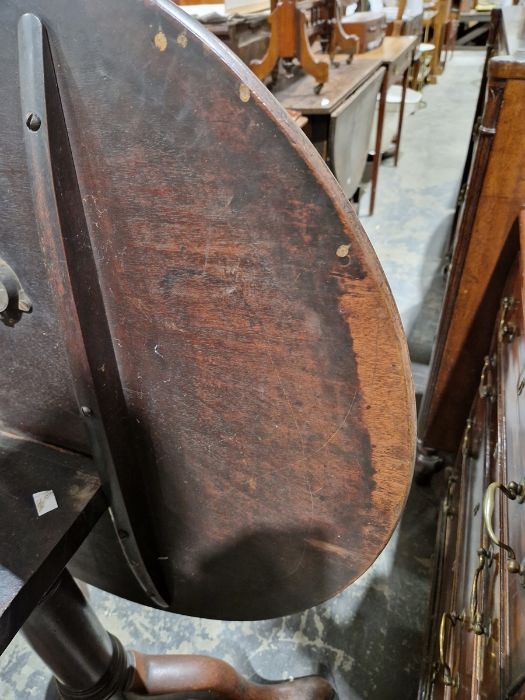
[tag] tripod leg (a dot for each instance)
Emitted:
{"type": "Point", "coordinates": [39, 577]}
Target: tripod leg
{"type": "Point", "coordinates": [264, 66]}
{"type": "Point", "coordinates": [215, 680]}
{"type": "Point", "coordinates": [89, 663]}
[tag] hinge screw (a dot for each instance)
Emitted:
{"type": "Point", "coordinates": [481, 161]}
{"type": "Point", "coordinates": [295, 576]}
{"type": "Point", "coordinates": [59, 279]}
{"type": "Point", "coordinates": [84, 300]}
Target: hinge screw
{"type": "Point", "coordinates": [33, 122]}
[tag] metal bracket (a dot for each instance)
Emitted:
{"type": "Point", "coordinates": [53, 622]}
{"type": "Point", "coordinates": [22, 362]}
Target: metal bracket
{"type": "Point", "coordinates": [486, 387]}
{"type": "Point", "coordinates": [13, 299]}
{"type": "Point", "coordinates": [507, 329]}
{"type": "Point", "coordinates": [72, 271]}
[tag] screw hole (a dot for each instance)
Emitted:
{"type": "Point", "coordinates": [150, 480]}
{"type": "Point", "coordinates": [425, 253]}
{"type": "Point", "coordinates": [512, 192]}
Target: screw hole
{"type": "Point", "coordinates": [33, 122]}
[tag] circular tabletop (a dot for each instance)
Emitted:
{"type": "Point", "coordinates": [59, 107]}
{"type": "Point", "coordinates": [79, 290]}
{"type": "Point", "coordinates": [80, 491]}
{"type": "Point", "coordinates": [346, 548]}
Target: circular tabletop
{"type": "Point", "coordinates": [265, 372]}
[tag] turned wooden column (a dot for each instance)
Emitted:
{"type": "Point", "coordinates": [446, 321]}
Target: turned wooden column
{"type": "Point", "coordinates": [89, 663]}
{"type": "Point", "coordinates": [86, 661]}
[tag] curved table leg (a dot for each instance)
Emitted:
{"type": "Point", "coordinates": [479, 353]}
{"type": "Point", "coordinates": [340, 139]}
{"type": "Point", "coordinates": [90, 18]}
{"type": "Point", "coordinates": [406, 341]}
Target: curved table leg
{"type": "Point", "coordinates": [318, 69]}
{"type": "Point", "coordinates": [215, 680]}
{"type": "Point", "coordinates": [264, 66]}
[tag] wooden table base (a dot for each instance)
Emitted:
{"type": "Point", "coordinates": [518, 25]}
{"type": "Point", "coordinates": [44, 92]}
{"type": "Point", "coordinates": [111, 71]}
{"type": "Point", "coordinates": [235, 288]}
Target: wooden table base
{"type": "Point", "coordinates": [91, 664]}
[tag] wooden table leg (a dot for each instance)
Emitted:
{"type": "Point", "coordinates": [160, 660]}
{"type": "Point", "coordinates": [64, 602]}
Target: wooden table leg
{"type": "Point", "coordinates": [416, 68]}
{"type": "Point", "coordinates": [179, 674]}
{"type": "Point", "coordinates": [379, 136]}
{"type": "Point", "coordinates": [89, 663]}
{"type": "Point", "coordinates": [401, 113]}
{"type": "Point", "coordinates": [86, 661]}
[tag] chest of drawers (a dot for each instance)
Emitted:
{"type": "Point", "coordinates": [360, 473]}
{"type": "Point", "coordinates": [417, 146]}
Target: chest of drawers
{"type": "Point", "coordinates": [476, 641]}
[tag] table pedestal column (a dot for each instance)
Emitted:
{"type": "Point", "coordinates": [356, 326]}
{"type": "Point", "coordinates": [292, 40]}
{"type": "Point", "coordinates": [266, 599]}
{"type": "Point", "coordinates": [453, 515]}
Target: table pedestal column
{"type": "Point", "coordinates": [90, 664]}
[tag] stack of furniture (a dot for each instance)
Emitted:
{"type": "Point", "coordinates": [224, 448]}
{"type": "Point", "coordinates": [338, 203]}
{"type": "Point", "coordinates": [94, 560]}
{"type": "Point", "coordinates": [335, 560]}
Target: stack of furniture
{"type": "Point", "coordinates": [246, 35]}
{"type": "Point", "coordinates": [369, 27]}
{"type": "Point", "coordinates": [294, 26]}
{"type": "Point", "coordinates": [340, 117]}
{"type": "Point", "coordinates": [397, 55]}
{"type": "Point", "coordinates": [403, 25]}
{"type": "Point", "coordinates": [323, 86]}
{"type": "Point", "coordinates": [474, 407]}
{"type": "Point", "coordinates": [474, 26]}
{"type": "Point", "coordinates": [439, 37]}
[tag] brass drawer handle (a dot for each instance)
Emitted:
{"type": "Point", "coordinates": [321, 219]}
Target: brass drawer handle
{"type": "Point", "coordinates": [515, 492]}
{"type": "Point", "coordinates": [447, 501]}
{"type": "Point", "coordinates": [465, 445]}
{"type": "Point", "coordinates": [507, 330]}
{"type": "Point", "coordinates": [485, 557]}
{"type": "Point", "coordinates": [486, 390]}
{"type": "Point", "coordinates": [453, 478]}
{"type": "Point", "coordinates": [448, 677]}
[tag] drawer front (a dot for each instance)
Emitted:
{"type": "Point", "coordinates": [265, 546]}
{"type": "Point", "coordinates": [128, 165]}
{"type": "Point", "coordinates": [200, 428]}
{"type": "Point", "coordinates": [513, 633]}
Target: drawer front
{"type": "Point", "coordinates": [485, 617]}
{"type": "Point", "coordinates": [464, 651]}
{"type": "Point", "coordinates": [511, 418]}
{"type": "Point", "coordinates": [444, 555]}
{"type": "Point", "coordinates": [398, 68]}
{"type": "Point", "coordinates": [466, 628]}
{"type": "Point", "coordinates": [370, 27]}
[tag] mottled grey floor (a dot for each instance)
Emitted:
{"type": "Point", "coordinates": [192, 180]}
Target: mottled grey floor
{"type": "Point", "coordinates": [416, 201]}
{"type": "Point", "coordinates": [370, 636]}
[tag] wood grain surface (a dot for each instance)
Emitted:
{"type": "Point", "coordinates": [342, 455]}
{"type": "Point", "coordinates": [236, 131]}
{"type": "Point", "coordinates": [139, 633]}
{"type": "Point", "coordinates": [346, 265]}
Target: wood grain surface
{"type": "Point", "coordinates": [259, 349]}
{"type": "Point", "coordinates": [343, 80]}
{"type": "Point", "coordinates": [486, 243]}
{"type": "Point", "coordinates": [392, 49]}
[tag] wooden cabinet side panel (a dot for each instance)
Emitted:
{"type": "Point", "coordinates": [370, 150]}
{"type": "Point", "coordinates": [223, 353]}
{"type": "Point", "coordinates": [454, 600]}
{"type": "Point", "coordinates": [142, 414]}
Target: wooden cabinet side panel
{"type": "Point", "coordinates": [481, 258]}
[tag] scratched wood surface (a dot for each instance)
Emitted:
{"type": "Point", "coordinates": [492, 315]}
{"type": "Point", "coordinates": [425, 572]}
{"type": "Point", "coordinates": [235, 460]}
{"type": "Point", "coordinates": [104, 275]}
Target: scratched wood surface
{"type": "Point", "coordinates": [261, 354]}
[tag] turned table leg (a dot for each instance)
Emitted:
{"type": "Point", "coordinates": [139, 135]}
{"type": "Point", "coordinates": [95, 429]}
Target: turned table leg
{"type": "Point", "coordinates": [401, 114]}
{"type": "Point", "coordinates": [85, 659]}
{"type": "Point", "coordinates": [91, 664]}
{"type": "Point", "coordinates": [379, 137]}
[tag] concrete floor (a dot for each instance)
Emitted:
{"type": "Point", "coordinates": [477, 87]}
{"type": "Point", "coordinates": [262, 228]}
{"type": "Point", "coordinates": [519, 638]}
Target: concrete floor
{"type": "Point", "coordinates": [416, 201]}
{"type": "Point", "coordinates": [370, 636]}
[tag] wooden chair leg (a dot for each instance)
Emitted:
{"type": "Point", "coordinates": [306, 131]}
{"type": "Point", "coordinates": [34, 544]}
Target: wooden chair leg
{"type": "Point", "coordinates": [89, 663]}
